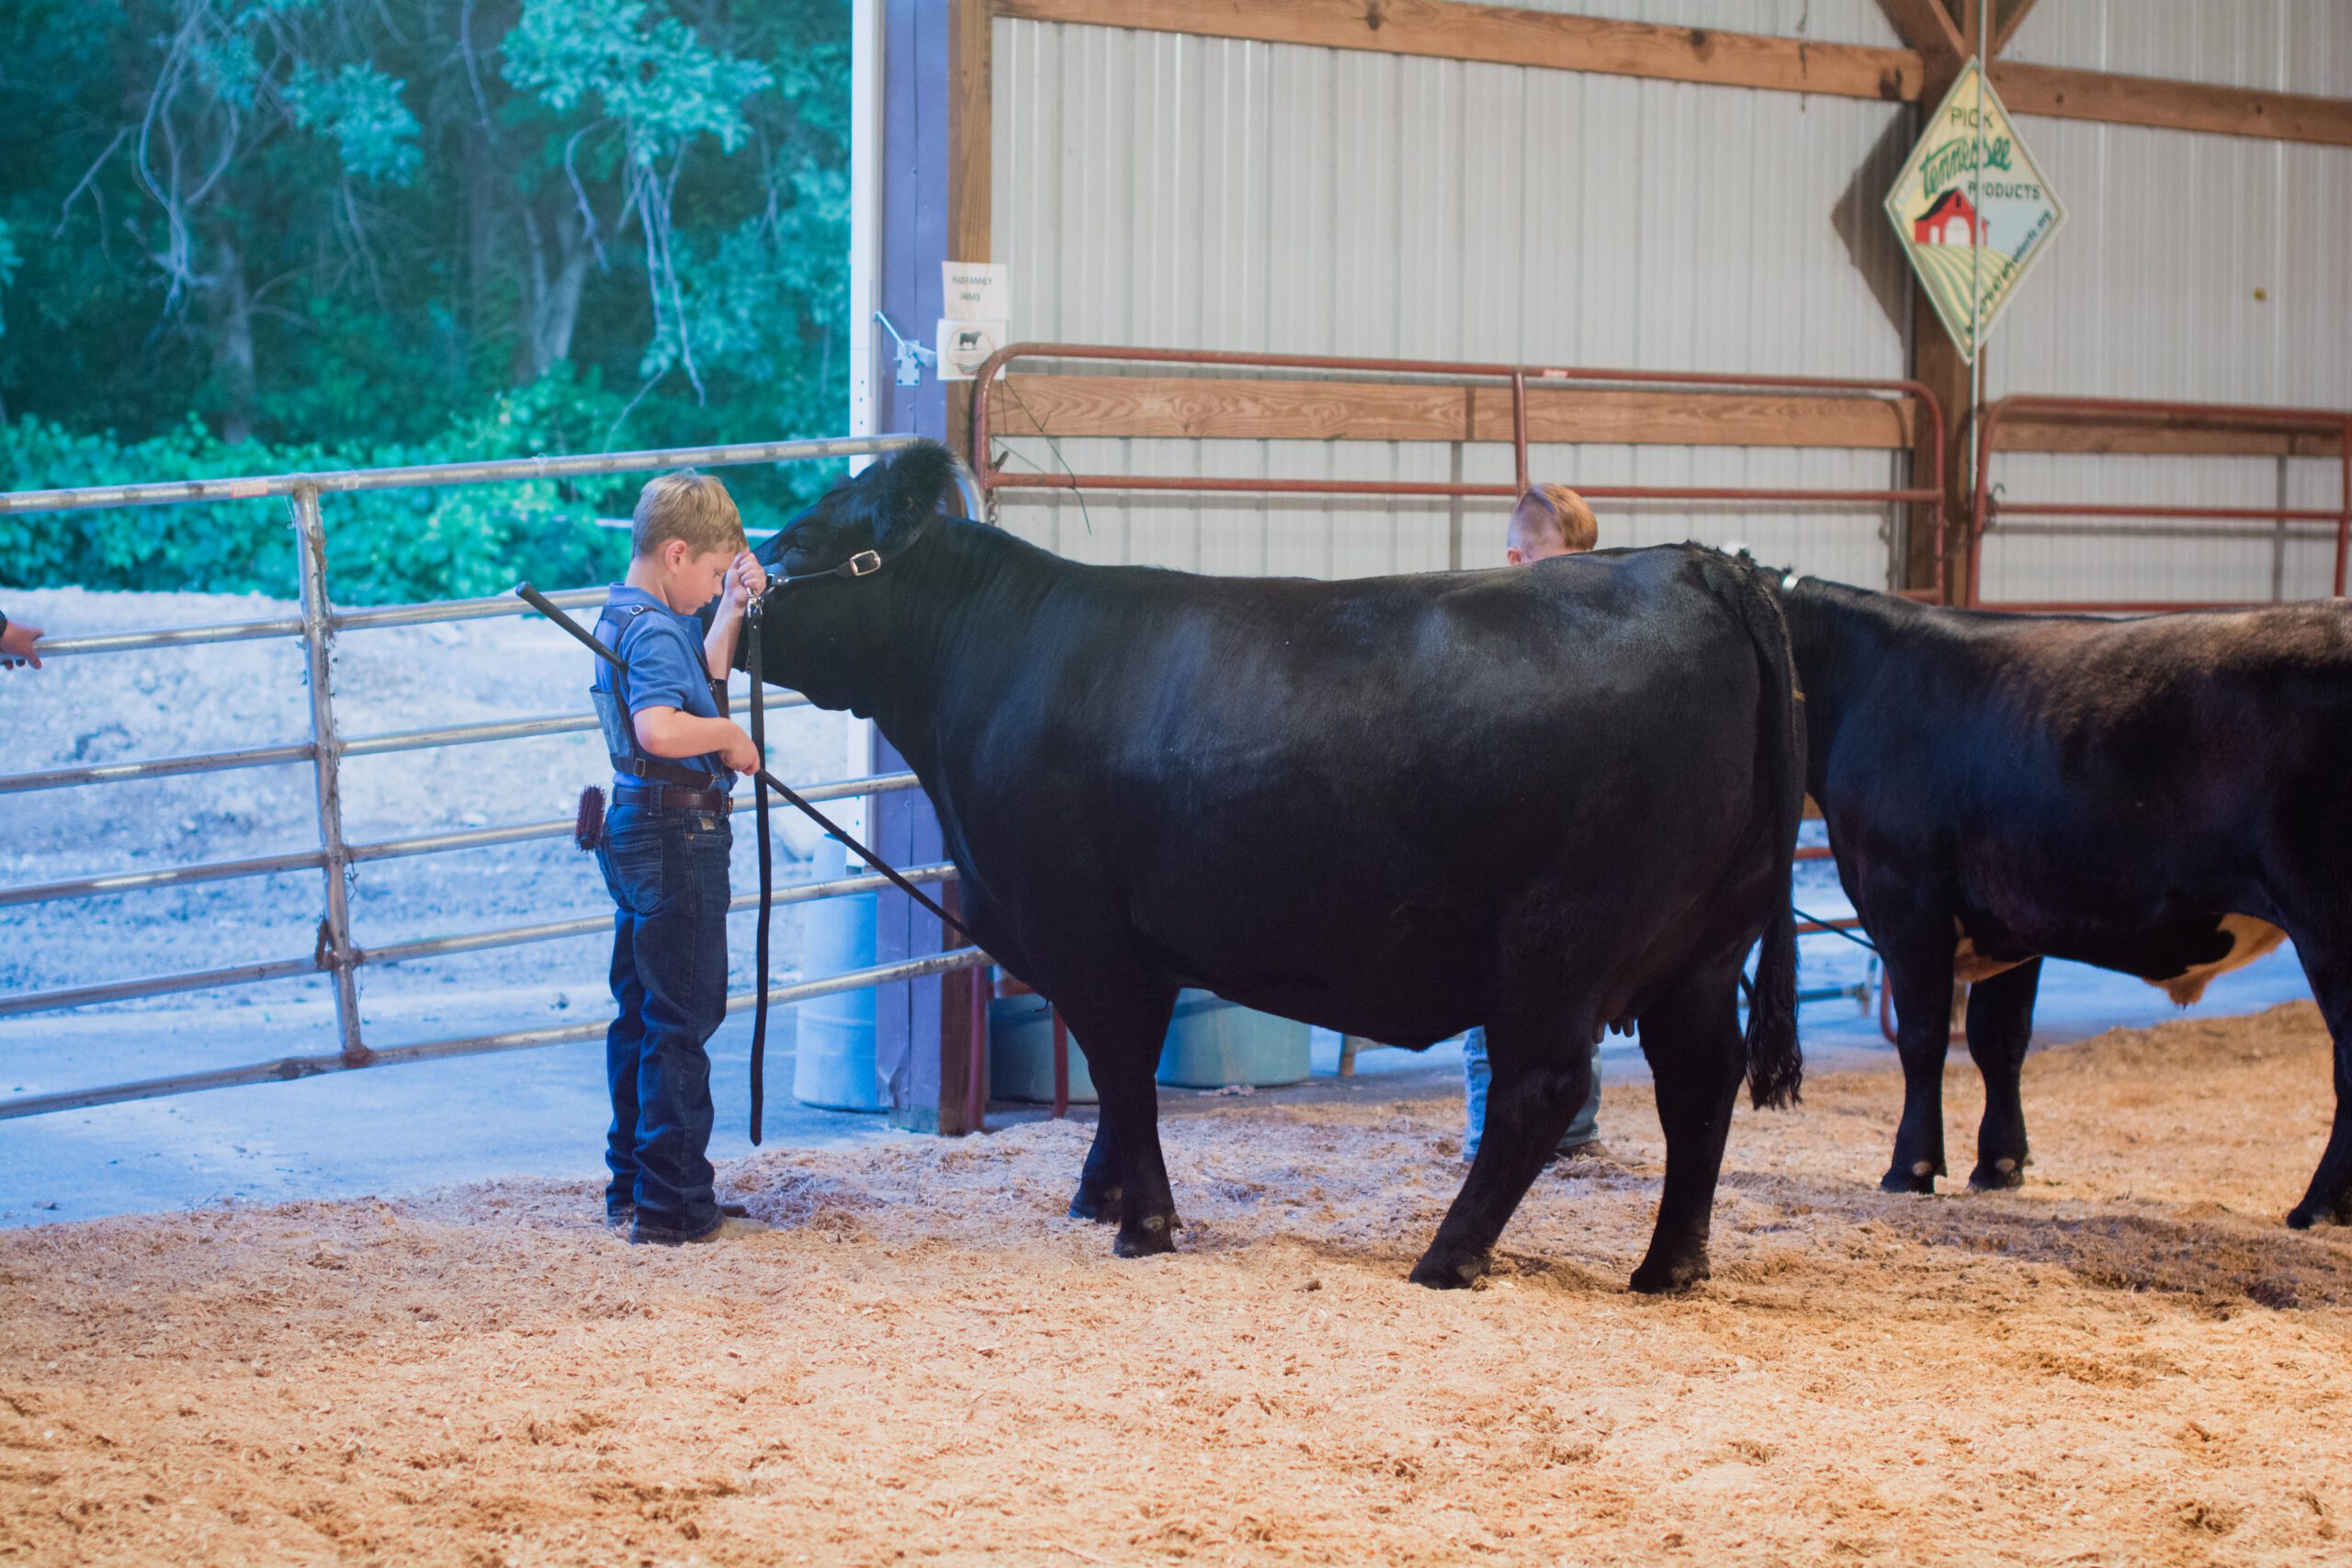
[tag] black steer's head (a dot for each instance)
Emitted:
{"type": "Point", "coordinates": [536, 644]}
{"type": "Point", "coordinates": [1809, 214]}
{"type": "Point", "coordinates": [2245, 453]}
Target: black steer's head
{"type": "Point", "coordinates": [836, 567]}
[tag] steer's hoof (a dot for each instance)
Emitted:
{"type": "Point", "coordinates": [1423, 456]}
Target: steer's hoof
{"type": "Point", "coordinates": [1100, 1204]}
{"type": "Point", "coordinates": [1151, 1234]}
{"type": "Point", "coordinates": [1993, 1175]}
{"type": "Point", "coordinates": [1449, 1270]}
{"type": "Point", "coordinates": [1670, 1274]}
{"type": "Point", "coordinates": [2305, 1216]}
{"type": "Point", "coordinates": [1918, 1176]}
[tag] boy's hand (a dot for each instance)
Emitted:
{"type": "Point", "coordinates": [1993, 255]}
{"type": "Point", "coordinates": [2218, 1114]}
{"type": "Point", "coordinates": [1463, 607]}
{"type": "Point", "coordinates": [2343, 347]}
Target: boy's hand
{"type": "Point", "coordinates": [739, 754]}
{"type": "Point", "coordinates": [17, 644]}
{"type": "Point", "coordinates": [746, 580]}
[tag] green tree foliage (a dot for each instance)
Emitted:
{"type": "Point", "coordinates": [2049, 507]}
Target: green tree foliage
{"type": "Point", "coordinates": [241, 236]}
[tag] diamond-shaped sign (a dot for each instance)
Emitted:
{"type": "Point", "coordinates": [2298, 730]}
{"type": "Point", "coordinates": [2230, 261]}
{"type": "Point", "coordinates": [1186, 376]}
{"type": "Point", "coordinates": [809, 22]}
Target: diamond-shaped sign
{"type": "Point", "coordinates": [1972, 209]}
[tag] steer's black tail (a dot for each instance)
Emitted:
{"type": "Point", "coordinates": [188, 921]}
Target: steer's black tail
{"type": "Point", "coordinates": [1775, 1065]}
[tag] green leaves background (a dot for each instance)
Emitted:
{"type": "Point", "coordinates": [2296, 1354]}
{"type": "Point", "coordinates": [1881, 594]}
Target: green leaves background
{"type": "Point", "coordinates": [244, 236]}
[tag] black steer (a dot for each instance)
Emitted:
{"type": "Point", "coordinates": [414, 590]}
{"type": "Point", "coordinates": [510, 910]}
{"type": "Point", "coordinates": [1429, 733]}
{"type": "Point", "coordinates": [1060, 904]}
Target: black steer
{"type": "Point", "coordinates": [2165, 796]}
{"type": "Point", "coordinates": [1542, 800]}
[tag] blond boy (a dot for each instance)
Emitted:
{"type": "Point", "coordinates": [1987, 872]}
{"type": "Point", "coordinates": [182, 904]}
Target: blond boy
{"type": "Point", "coordinates": [664, 847]}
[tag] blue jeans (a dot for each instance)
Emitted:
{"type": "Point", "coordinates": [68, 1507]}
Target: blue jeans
{"type": "Point", "coordinates": [1583, 1127]}
{"type": "Point", "coordinates": [667, 874]}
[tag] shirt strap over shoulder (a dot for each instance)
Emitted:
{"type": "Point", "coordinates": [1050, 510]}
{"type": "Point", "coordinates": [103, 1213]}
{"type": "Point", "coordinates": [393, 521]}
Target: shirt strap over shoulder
{"type": "Point", "coordinates": [617, 639]}
{"type": "Point", "coordinates": [668, 628]}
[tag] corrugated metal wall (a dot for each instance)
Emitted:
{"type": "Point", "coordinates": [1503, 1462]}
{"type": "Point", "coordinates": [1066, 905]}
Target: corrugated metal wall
{"type": "Point", "coordinates": [2192, 267]}
{"type": "Point", "coordinates": [1198, 193]}
{"type": "Point", "coordinates": [1157, 190]}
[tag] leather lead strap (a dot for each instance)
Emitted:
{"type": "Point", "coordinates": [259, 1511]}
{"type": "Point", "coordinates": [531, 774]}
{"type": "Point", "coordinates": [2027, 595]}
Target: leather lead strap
{"type": "Point", "coordinates": [835, 829]}
{"type": "Point", "coordinates": [864, 564]}
{"type": "Point", "coordinates": [767, 871]}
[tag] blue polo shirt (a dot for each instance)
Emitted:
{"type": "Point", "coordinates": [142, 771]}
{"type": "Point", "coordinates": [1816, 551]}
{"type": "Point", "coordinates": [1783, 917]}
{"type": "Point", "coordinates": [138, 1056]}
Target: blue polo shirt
{"type": "Point", "coordinates": [663, 652]}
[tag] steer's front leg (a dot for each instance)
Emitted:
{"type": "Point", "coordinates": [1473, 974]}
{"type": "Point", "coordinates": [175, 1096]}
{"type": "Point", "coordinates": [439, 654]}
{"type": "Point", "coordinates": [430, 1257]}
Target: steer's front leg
{"type": "Point", "coordinates": [2000, 1026]}
{"type": "Point", "coordinates": [1124, 1180]}
{"type": "Point", "coordinates": [1918, 973]}
{"type": "Point", "coordinates": [1148, 1206]}
{"type": "Point", "coordinates": [1099, 1196]}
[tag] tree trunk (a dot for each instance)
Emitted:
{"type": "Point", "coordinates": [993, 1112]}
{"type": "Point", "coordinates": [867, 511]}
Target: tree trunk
{"type": "Point", "coordinates": [483, 211]}
{"type": "Point", "coordinates": [551, 296]}
{"type": "Point", "coordinates": [559, 310]}
{"type": "Point", "coordinates": [230, 322]}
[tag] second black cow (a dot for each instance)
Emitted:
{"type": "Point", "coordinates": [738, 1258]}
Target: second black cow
{"type": "Point", "coordinates": [1544, 800]}
{"type": "Point", "coordinates": [2162, 796]}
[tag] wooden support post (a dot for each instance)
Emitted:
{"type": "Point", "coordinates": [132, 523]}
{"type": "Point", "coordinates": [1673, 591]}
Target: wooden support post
{"type": "Point", "coordinates": [2008, 16]}
{"type": "Point", "coordinates": [1931, 29]}
{"type": "Point", "coordinates": [1944, 36]}
{"type": "Point", "coordinates": [1935, 363]}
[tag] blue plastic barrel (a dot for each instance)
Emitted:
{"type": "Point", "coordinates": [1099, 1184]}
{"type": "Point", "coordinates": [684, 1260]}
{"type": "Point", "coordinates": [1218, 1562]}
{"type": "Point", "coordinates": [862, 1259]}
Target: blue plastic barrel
{"type": "Point", "coordinates": [1021, 1054]}
{"type": "Point", "coordinates": [1212, 1042]}
{"type": "Point", "coordinates": [833, 1058]}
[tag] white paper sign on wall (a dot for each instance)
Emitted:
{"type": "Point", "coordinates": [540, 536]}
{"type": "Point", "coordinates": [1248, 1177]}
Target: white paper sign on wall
{"type": "Point", "coordinates": [977, 300]}
{"type": "Point", "coordinates": [964, 345]}
{"type": "Point", "coordinates": [975, 291]}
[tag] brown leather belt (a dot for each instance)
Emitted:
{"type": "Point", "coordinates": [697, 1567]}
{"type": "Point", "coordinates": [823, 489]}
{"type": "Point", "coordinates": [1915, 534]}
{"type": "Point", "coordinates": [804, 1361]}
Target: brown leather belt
{"type": "Point", "coordinates": [667, 798]}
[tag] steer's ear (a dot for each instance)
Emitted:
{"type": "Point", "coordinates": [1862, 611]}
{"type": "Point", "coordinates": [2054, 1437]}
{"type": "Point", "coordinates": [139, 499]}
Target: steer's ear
{"type": "Point", "coordinates": [917, 482]}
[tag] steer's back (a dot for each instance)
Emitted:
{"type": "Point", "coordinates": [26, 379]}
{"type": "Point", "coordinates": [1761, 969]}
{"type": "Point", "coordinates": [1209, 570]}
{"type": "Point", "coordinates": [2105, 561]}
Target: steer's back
{"type": "Point", "coordinates": [2071, 780]}
{"type": "Point", "coordinates": [2188, 726]}
{"type": "Point", "coordinates": [1351, 784]}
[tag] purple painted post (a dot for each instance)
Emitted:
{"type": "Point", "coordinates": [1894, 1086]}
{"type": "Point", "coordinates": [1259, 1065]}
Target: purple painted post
{"type": "Point", "coordinates": [921, 1047]}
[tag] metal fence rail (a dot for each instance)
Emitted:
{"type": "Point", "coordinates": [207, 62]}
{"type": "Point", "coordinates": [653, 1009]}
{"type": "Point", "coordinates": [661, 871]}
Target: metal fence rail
{"type": "Point", "coordinates": [1988, 507]}
{"type": "Point", "coordinates": [337, 955]}
{"type": "Point", "coordinates": [1926, 480]}
{"type": "Point", "coordinates": [284, 1069]}
{"type": "Point", "coordinates": [386, 849]}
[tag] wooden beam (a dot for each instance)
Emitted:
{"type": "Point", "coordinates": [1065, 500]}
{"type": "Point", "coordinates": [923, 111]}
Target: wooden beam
{"type": "Point", "coordinates": [963, 998]}
{"type": "Point", "coordinates": [1965, 16]}
{"type": "Point", "coordinates": [1247, 409]}
{"type": "Point", "coordinates": [2008, 16]}
{"type": "Point", "coordinates": [1212, 407]}
{"type": "Point", "coordinates": [2059, 433]}
{"type": "Point", "coordinates": [2173, 106]}
{"type": "Point", "coordinates": [971, 130]}
{"type": "Point", "coordinates": [1927, 27]}
{"type": "Point", "coordinates": [1446, 29]}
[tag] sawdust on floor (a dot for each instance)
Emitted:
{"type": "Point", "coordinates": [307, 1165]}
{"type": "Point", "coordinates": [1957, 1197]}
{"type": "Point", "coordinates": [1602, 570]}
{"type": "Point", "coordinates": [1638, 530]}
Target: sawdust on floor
{"type": "Point", "coordinates": [2128, 1360]}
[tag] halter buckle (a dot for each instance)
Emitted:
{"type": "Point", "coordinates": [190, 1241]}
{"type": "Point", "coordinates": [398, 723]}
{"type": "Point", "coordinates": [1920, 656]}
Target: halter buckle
{"type": "Point", "coordinates": [866, 563]}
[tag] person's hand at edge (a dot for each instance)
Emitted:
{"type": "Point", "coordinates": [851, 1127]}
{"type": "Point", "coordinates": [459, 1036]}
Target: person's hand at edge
{"type": "Point", "coordinates": [19, 645]}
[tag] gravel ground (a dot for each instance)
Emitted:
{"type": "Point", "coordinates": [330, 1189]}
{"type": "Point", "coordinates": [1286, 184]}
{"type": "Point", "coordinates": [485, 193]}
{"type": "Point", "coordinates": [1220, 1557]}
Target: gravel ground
{"type": "Point", "coordinates": [166, 703]}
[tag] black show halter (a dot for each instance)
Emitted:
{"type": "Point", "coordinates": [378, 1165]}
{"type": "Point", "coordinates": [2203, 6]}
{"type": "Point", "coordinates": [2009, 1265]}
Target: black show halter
{"type": "Point", "coordinates": [866, 563]}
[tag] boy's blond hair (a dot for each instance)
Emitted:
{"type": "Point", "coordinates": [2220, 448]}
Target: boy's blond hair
{"type": "Point", "coordinates": [1557, 509]}
{"type": "Point", "coordinates": [686, 506]}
